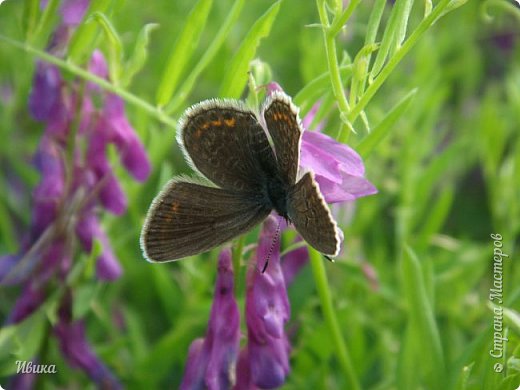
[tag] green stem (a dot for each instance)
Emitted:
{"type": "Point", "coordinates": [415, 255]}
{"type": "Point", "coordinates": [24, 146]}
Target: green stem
{"type": "Point", "coordinates": [76, 70]}
{"type": "Point", "coordinates": [396, 59]}
{"type": "Point", "coordinates": [339, 22]}
{"type": "Point", "coordinates": [320, 278]}
{"type": "Point", "coordinates": [332, 62]}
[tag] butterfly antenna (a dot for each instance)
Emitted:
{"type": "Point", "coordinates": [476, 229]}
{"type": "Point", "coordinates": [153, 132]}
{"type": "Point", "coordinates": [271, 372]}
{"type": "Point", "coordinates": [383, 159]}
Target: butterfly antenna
{"type": "Point", "coordinates": [273, 243]}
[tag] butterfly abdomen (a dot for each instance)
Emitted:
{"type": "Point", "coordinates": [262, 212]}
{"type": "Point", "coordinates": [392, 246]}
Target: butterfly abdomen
{"type": "Point", "coordinates": [277, 192]}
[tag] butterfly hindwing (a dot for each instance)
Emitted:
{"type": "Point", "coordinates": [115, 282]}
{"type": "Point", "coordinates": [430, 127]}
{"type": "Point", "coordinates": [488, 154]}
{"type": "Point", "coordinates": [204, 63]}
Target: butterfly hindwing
{"type": "Point", "coordinates": [187, 218]}
{"type": "Point", "coordinates": [284, 125]}
{"type": "Point", "coordinates": [225, 142]}
{"type": "Point", "coordinates": [312, 218]}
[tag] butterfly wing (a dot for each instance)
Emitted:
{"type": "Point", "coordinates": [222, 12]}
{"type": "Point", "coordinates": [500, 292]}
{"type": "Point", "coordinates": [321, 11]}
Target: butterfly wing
{"type": "Point", "coordinates": [312, 218]}
{"type": "Point", "coordinates": [187, 218]}
{"type": "Point", "coordinates": [284, 125]}
{"type": "Point", "coordinates": [224, 141]}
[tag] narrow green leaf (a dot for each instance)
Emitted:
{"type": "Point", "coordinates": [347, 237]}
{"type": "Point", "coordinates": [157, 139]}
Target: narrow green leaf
{"type": "Point", "coordinates": [436, 216]}
{"type": "Point", "coordinates": [82, 41]}
{"type": "Point", "coordinates": [365, 147]}
{"type": "Point", "coordinates": [404, 9]}
{"type": "Point", "coordinates": [360, 72]}
{"type": "Point", "coordinates": [322, 286]}
{"type": "Point", "coordinates": [183, 50]}
{"type": "Point", "coordinates": [388, 38]}
{"type": "Point", "coordinates": [46, 23]}
{"type": "Point", "coordinates": [236, 76]}
{"type": "Point", "coordinates": [340, 20]}
{"type": "Point", "coordinates": [139, 55]}
{"type": "Point", "coordinates": [115, 47]}
{"type": "Point", "coordinates": [512, 319]}
{"type": "Point", "coordinates": [205, 60]}
{"type": "Point", "coordinates": [421, 316]}
{"type": "Point", "coordinates": [31, 12]}
{"type": "Point", "coordinates": [166, 289]}
{"type": "Point", "coordinates": [462, 382]}
{"type": "Point", "coordinates": [374, 21]}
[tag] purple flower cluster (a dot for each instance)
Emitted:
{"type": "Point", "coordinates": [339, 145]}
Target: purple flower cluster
{"type": "Point", "coordinates": [264, 361]}
{"type": "Point", "coordinates": [76, 183]}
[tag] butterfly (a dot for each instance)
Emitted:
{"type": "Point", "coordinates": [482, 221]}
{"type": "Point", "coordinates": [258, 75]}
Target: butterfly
{"type": "Point", "coordinates": [248, 177]}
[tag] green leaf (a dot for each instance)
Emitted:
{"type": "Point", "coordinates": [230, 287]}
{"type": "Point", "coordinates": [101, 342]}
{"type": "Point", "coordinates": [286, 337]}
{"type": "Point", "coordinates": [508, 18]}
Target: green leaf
{"type": "Point", "coordinates": [115, 47]}
{"type": "Point", "coordinates": [367, 145]}
{"type": "Point", "coordinates": [207, 57]}
{"type": "Point", "coordinates": [236, 76]}
{"type": "Point", "coordinates": [427, 343]}
{"type": "Point", "coordinates": [31, 13]}
{"type": "Point", "coordinates": [139, 55]}
{"type": "Point", "coordinates": [83, 297]}
{"type": "Point", "coordinates": [462, 382]}
{"type": "Point", "coordinates": [183, 50]}
{"type": "Point", "coordinates": [404, 8]}
{"type": "Point", "coordinates": [360, 71]}
{"type": "Point", "coordinates": [82, 41]}
{"type": "Point", "coordinates": [46, 24]}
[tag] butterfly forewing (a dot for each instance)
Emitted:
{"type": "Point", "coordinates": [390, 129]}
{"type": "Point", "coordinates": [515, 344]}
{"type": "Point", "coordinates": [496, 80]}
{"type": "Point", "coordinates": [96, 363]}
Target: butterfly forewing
{"type": "Point", "coordinates": [187, 218]}
{"type": "Point", "coordinates": [312, 218]}
{"type": "Point", "coordinates": [225, 142]}
{"type": "Point", "coordinates": [282, 121]}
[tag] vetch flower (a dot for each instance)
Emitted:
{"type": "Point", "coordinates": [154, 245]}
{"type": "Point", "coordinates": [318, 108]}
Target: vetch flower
{"type": "Point", "coordinates": [338, 169]}
{"type": "Point", "coordinates": [267, 311]}
{"type": "Point", "coordinates": [76, 182]}
{"type": "Point", "coordinates": [211, 360]}
{"type": "Point", "coordinates": [76, 349]}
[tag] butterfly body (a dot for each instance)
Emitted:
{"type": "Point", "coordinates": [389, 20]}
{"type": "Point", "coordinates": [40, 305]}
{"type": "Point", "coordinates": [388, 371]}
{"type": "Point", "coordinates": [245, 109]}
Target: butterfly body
{"type": "Point", "coordinates": [226, 143]}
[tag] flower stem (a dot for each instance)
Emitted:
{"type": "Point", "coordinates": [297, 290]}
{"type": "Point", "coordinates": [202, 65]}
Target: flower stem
{"type": "Point", "coordinates": [425, 24]}
{"type": "Point", "coordinates": [86, 75]}
{"type": "Point", "coordinates": [320, 278]}
{"type": "Point", "coordinates": [332, 62]}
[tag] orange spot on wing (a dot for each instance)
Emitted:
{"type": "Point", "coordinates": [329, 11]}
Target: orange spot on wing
{"type": "Point", "coordinates": [230, 122]}
{"type": "Point", "coordinates": [198, 133]}
{"type": "Point", "coordinates": [218, 122]}
{"type": "Point", "coordinates": [175, 207]}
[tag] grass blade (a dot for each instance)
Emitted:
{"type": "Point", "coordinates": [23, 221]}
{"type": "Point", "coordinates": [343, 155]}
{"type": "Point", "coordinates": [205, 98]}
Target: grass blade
{"type": "Point", "coordinates": [236, 76]}
{"type": "Point", "coordinates": [367, 145]}
{"type": "Point", "coordinates": [421, 317]}
{"type": "Point", "coordinates": [183, 50]}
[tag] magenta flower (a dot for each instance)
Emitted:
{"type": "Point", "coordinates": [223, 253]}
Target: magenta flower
{"type": "Point", "coordinates": [76, 178]}
{"type": "Point", "coordinates": [47, 82]}
{"type": "Point", "coordinates": [339, 170]}
{"type": "Point", "coordinates": [76, 349]}
{"type": "Point", "coordinates": [267, 310]}
{"type": "Point", "coordinates": [211, 360]}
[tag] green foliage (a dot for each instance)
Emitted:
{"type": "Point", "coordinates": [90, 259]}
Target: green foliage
{"type": "Point", "coordinates": [432, 90]}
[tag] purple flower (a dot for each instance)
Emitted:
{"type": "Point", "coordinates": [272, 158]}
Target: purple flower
{"type": "Point", "coordinates": [267, 311]}
{"type": "Point", "coordinates": [87, 230]}
{"type": "Point", "coordinates": [339, 170]}
{"type": "Point", "coordinates": [294, 261]}
{"type": "Point", "coordinates": [76, 349]}
{"type": "Point", "coordinates": [31, 298]}
{"type": "Point", "coordinates": [45, 93]}
{"type": "Point", "coordinates": [72, 11]}
{"type": "Point", "coordinates": [211, 361]}
{"type": "Point", "coordinates": [119, 131]}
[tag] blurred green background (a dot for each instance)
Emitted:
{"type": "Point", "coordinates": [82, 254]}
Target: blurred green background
{"type": "Point", "coordinates": [446, 164]}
